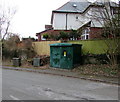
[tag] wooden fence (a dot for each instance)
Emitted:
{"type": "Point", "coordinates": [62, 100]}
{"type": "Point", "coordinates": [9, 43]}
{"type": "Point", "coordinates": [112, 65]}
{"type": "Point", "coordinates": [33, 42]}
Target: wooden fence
{"type": "Point", "coordinates": [42, 47]}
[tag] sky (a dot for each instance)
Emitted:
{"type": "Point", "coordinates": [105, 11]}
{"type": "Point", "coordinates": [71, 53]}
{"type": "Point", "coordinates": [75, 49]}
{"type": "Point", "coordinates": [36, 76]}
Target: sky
{"type": "Point", "coordinates": [31, 15]}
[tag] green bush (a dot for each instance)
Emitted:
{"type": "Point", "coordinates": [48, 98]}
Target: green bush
{"type": "Point", "coordinates": [74, 34]}
{"type": "Point", "coordinates": [46, 36]}
{"type": "Point", "coordinates": [63, 35]}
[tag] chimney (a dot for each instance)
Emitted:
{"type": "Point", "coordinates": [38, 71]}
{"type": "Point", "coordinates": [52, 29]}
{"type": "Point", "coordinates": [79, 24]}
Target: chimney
{"type": "Point", "coordinates": [48, 27]}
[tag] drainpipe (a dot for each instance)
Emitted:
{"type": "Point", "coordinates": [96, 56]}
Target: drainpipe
{"type": "Point", "coordinates": [119, 17]}
{"type": "Point", "coordinates": [66, 21]}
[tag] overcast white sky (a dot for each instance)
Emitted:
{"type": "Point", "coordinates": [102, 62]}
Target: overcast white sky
{"type": "Point", "coordinates": [32, 15]}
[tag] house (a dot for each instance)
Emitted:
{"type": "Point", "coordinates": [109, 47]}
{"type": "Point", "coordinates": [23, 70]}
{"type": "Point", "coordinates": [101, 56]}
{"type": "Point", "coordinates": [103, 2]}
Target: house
{"type": "Point", "coordinates": [77, 15]}
{"type": "Point", "coordinates": [49, 30]}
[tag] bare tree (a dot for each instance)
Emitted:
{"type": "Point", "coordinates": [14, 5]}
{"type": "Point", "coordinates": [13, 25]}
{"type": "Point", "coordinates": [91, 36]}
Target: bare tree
{"type": "Point", "coordinates": [108, 15]}
{"type": "Point", "coordinates": [6, 15]}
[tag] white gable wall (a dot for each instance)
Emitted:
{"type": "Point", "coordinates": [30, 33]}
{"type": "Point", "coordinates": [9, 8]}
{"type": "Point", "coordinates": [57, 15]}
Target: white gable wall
{"type": "Point", "coordinates": [94, 14]}
{"type": "Point", "coordinates": [59, 21]}
{"type": "Point", "coordinates": [74, 21]}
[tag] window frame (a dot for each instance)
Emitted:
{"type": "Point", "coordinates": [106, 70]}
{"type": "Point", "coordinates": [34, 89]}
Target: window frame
{"type": "Point", "coordinates": [85, 34]}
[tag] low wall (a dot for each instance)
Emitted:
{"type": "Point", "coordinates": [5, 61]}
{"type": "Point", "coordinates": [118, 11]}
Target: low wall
{"type": "Point", "coordinates": [42, 47]}
{"type": "Point", "coordinates": [88, 46]}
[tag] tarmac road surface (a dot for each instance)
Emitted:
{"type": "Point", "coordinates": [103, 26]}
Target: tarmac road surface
{"type": "Point", "coordinates": [21, 85]}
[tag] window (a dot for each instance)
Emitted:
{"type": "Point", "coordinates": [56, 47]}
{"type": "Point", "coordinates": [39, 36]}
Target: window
{"type": "Point", "coordinates": [87, 30]}
{"type": "Point", "coordinates": [85, 34]}
{"type": "Point", "coordinates": [76, 17]}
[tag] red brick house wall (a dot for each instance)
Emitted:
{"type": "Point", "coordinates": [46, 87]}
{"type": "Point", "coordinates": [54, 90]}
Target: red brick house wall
{"type": "Point", "coordinates": [95, 33]}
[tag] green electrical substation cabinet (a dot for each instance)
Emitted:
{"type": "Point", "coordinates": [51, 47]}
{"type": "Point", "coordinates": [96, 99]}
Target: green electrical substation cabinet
{"type": "Point", "coordinates": [65, 55]}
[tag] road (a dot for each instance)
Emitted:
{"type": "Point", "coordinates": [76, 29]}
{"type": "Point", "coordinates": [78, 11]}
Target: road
{"type": "Point", "coordinates": [21, 85]}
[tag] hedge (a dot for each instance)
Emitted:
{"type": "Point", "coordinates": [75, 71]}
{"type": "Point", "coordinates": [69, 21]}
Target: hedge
{"type": "Point", "coordinates": [93, 46]}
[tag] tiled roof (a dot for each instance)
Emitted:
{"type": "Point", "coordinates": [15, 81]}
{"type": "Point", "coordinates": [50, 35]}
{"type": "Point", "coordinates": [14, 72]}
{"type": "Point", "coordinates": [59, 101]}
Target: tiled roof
{"type": "Point", "coordinates": [74, 6]}
{"type": "Point", "coordinates": [79, 6]}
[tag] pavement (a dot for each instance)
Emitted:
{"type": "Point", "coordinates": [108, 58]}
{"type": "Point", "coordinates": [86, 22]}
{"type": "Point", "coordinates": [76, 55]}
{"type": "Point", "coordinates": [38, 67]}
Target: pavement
{"type": "Point", "coordinates": [67, 73]}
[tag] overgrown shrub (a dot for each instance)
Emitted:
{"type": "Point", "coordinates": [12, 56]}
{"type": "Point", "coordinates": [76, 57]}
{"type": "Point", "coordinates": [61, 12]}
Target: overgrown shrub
{"type": "Point", "coordinates": [97, 59]}
{"type": "Point", "coordinates": [46, 36]}
{"type": "Point", "coordinates": [63, 35]}
{"type": "Point", "coordinates": [9, 47]}
{"type": "Point", "coordinates": [13, 47]}
{"type": "Point", "coordinates": [54, 37]}
{"type": "Point", "coordinates": [73, 35]}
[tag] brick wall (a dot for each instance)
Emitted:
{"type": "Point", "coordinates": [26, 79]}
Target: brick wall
{"type": "Point", "coordinates": [95, 33]}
